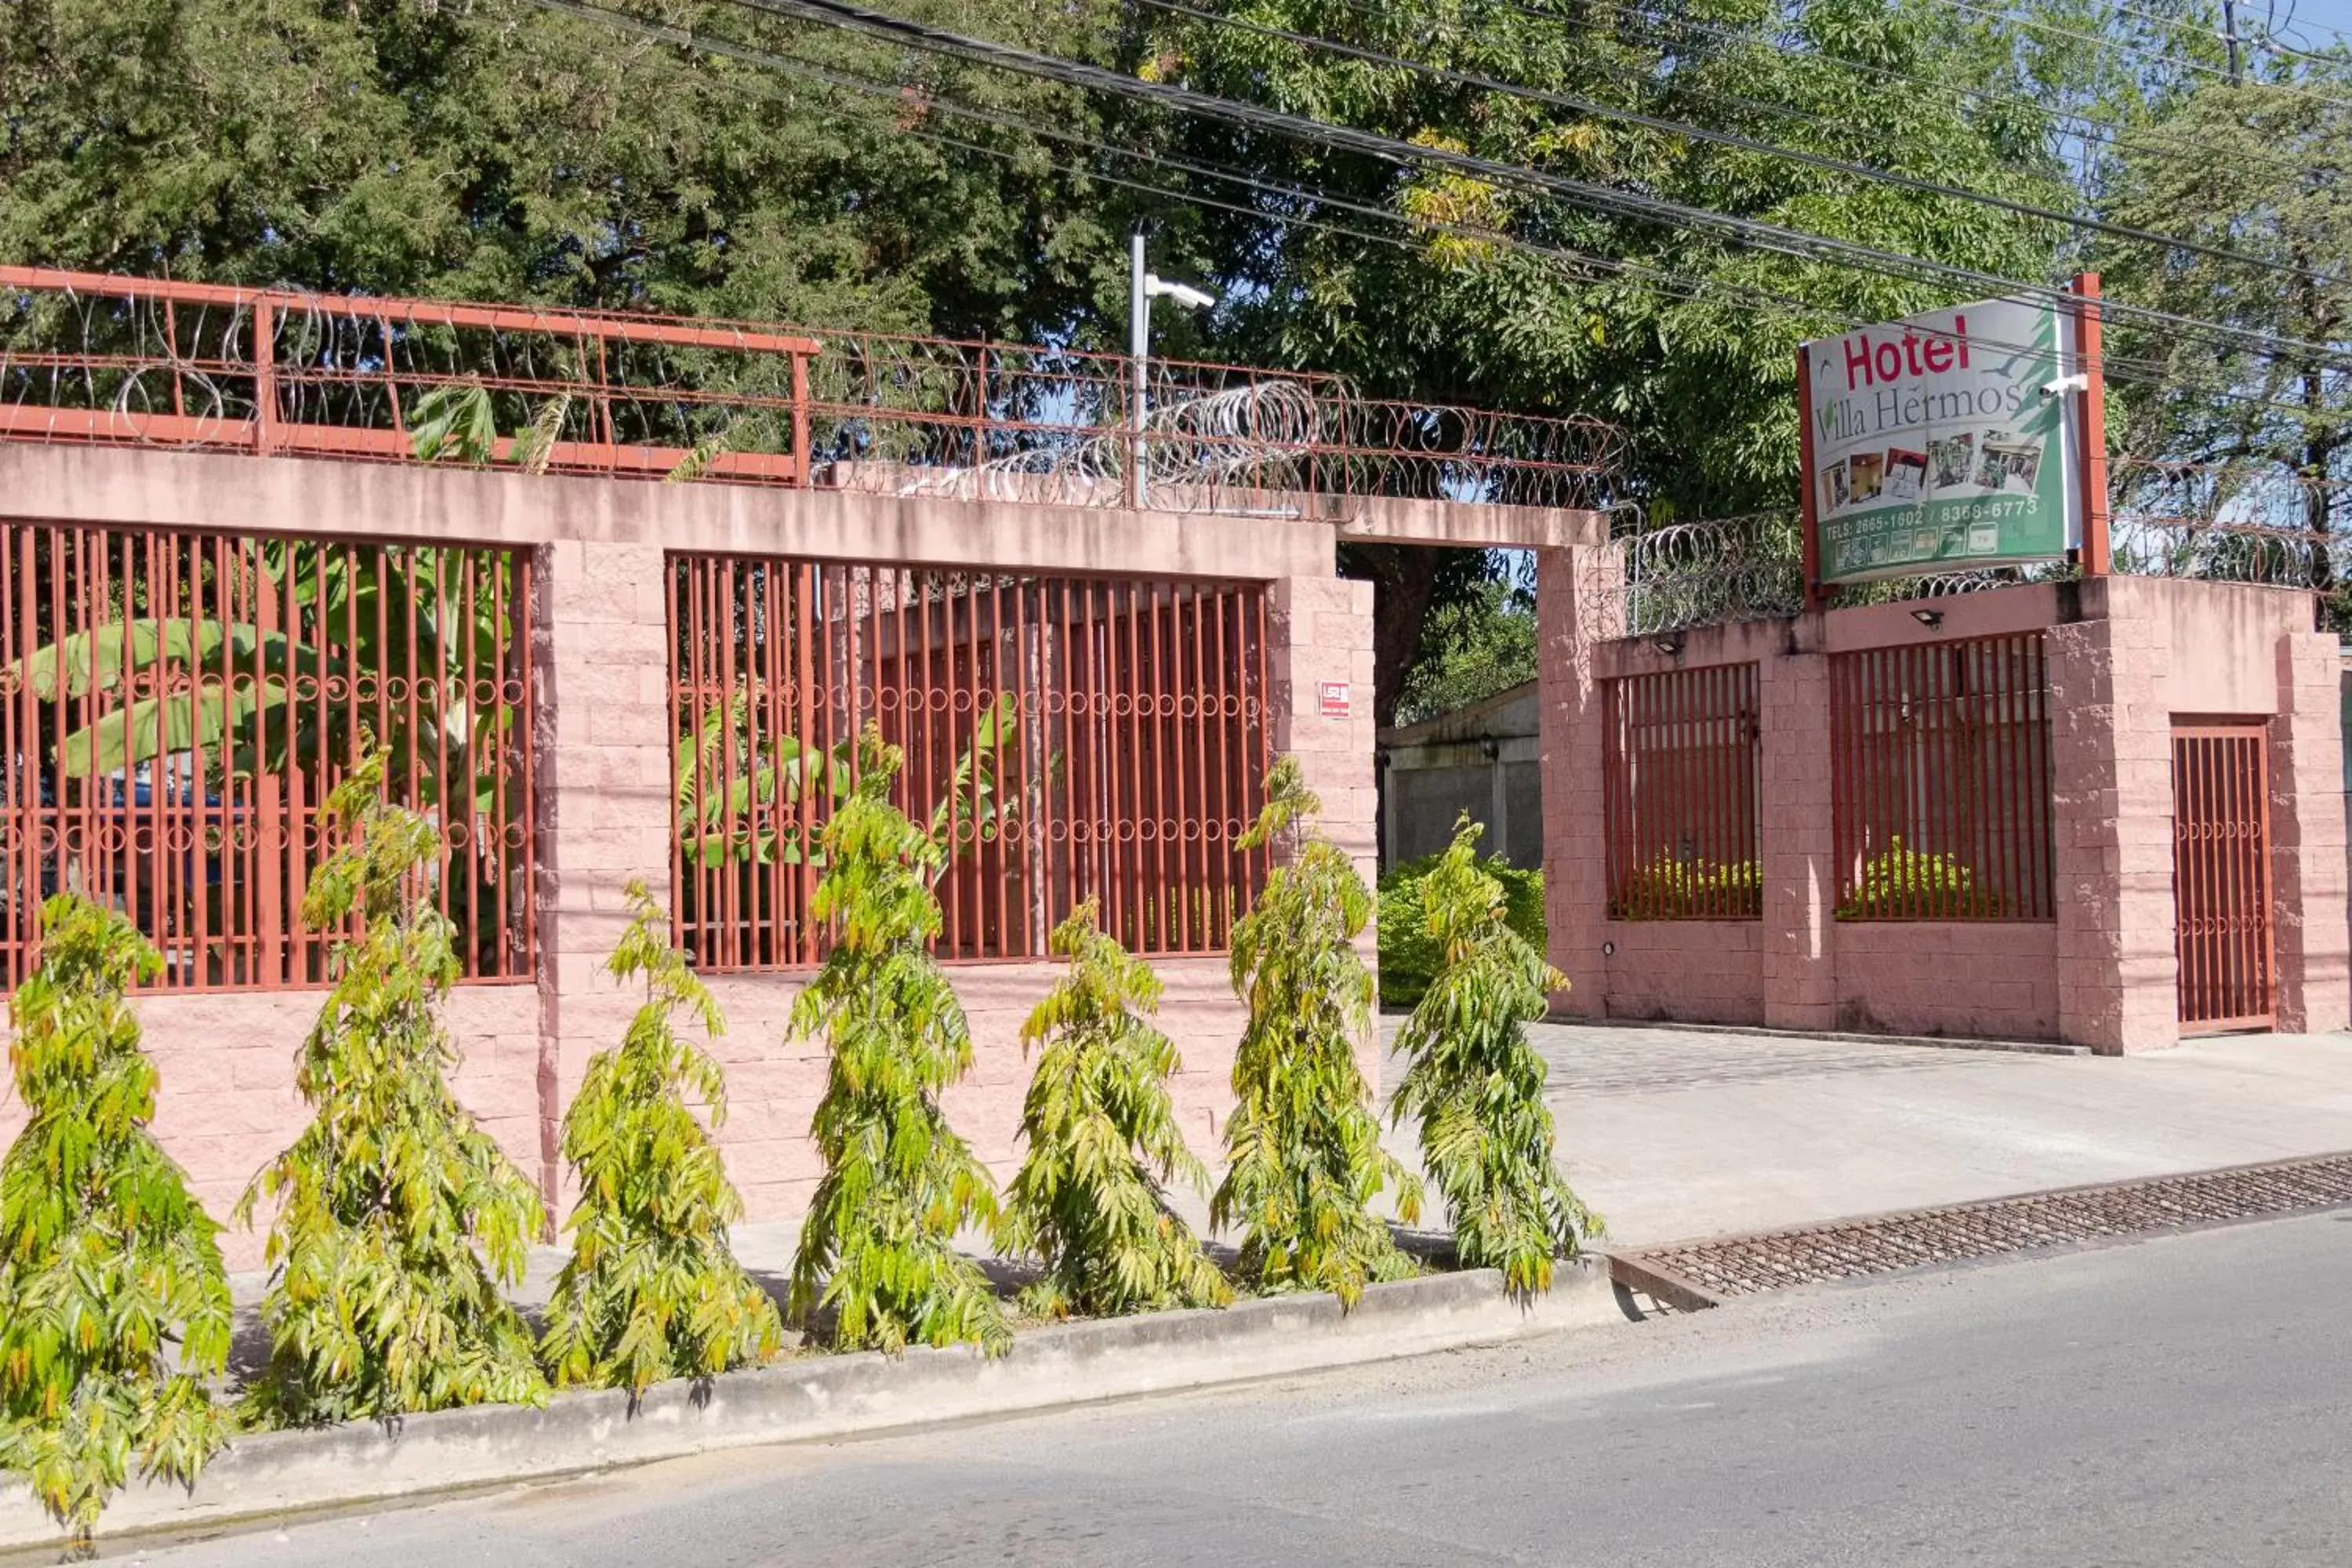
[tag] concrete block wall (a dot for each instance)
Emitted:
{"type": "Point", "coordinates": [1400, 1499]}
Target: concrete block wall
{"type": "Point", "coordinates": [601, 659]}
{"type": "Point", "coordinates": [1987, 980]}
{"type": "Point", "coordinates": [2128, 657]}
{"type": "Point", "coordinates": [1697, 971]}
{"type": "Point", "coordinates": [225, 1103]}
{"type": "Point", "coordinates": [1323, 637]}
{"type": "Point", "coordinates": [2307, 836]}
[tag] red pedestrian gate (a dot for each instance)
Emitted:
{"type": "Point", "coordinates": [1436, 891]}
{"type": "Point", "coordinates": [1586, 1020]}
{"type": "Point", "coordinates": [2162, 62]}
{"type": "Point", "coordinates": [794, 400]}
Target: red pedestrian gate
{"type": "Point", "coordinates": [2221, 877]}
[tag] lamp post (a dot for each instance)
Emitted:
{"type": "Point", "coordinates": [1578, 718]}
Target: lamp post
{"type": "Point", "coordinates": [1144, 288]}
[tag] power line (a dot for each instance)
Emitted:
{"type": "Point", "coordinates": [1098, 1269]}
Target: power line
{"type": "Point", "coordinates": [1802, 244]}
{"type": "Point", "coordinates": [2076, 33]}
{"type": "Point", "coordinates": [1685, 286]}
{"type": "Point", "coordinates": [1940, 188]}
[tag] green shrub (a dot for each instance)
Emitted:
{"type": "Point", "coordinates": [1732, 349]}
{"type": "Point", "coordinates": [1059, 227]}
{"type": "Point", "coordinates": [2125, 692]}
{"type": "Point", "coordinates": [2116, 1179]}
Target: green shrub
{"type": "Point", "coordinates": [1089, 1199]}
{"type": "Point", "coordinates": [107, 1265]}
{"type": "Point", "coordinates": [652, 1290]}
{"type": "Point", "coordinates": [1303, 1152]}
{"type": "Point", "coordinates": [399, 1217]}
{"type": "Point", "coordinates": [1409, 955]}
{"type": "Point", "coordinates": [1899, 883]}
{"type": "Point", "coordinates": [1667, 888]}
{"type": "Point", "coordinates": [1476, 1085]}
{"type": "Point", "coordinates": [879, 1245]}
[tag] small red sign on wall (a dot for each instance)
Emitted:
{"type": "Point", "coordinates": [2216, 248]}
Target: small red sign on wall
{"type": "Point", "coordinates": [1335, 699]}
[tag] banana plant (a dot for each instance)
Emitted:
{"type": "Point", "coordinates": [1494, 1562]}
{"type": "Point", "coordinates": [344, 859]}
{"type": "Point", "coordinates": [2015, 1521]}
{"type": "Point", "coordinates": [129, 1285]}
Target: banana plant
{"type": "Point", "coordinates": [750, 819]}
{"type": "Point", "coordinates": [246, 694]}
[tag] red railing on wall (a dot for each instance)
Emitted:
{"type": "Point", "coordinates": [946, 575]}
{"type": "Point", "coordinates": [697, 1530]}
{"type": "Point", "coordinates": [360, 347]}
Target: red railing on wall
{"type": "Point", "coordinates": [86, 357]}
{"type": "Point", "coordinates": [174, 707]}
{"type": "Point", "coordinates": [1940, 757]}
{"type": "Point", "coordinates": [93, 358]}
{"type": "Point", "coordinates": [1065, 737]}
{"type": "Point", "coordinates": [1681, 750]}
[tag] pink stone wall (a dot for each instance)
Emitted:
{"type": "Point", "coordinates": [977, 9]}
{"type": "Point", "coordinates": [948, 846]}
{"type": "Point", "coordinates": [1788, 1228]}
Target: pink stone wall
{"type": "Point", "coordinates": [2129, 657]}
{"type": "Point", "coordinates": [1983, 979]}
{"type": "Point", "coordinates": [601, 655]}
{"type": "Point", "coordinates": [773, 1082]}
{"type": "Point", "coordinates": [1700, 971]}
{"type": "Point", "coordinates": [225, 1102]}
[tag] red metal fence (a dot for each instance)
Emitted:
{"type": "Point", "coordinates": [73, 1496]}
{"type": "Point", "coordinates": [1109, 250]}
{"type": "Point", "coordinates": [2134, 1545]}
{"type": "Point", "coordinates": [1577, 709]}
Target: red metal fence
{"type": "Point", "coordinates": [1065, 737]}
{"type": "Point", "coordinates": [174, 707]}
{"type": "Point", "coordinates": [86, 357]}
{"type": "Point", "coordinates": [1680, 760]}
{"type": "Point", "coordinates": [1940, 757]}
{"type": "Point", "coordinates": [2221, 876]}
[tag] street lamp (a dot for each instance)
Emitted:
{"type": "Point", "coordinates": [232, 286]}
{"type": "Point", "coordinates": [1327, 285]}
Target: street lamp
{"type": "Point", "coordinates": [1144, 288]}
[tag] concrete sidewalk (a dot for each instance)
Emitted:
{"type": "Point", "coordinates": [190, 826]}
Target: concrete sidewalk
{"type": "Point", "coordinates": [1673, 1133]}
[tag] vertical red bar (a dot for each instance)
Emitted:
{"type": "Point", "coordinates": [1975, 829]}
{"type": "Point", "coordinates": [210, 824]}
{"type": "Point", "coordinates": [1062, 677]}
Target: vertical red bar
{"type": "Point", "coordinates": [813, 757]}
{"type": "Point", "coordinates": [514, 613]}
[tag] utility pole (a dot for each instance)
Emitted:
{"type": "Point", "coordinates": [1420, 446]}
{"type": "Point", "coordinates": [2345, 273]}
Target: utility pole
{"type": "Point", "coordinates": [2230, 36]}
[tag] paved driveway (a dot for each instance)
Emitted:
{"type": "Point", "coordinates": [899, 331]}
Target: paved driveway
{"type": "Point", "coordinates": [1674, 1133]}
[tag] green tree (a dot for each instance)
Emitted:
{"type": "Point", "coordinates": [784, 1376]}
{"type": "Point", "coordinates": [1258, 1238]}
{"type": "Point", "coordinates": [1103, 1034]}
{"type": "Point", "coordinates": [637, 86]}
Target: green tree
{"type": "Point", "coordinates": [1090, 1199]}
{"type": "Point", "coordinates": [497, 150]}
{"type": "Point", "coordinates": [878, 1247]}
{"type": "Point", "coordinates": [2264, 182]}
{"type": "Point", "coordinates": [651, 1289]}
{"type": "Point", "coordinates": [1303, 1155]}
{"type": "Point", "coordinates": [1475, 1086]}
{"type": "Point", "coordinates": [113, 1302]}
{"type": "Point", "coordinates": [398, 1218]}
{"type": "Point", "coordinates": [1473, 646]}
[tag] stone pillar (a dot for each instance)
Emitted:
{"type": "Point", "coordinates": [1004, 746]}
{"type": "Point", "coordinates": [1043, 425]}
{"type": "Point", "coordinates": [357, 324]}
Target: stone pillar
{"type": "Point", "coordinates": [603, 659]}
{"type": "Point", "coordinates": [2111, 828]}
{"type": "Point", "coordinates": [1795, 843]}
{"type": "Point", "coordinates": [1322, 632]}
{"type": "Point", "coordinates": [2307, 838]}
{"type": "Point", "coordinates": [1578, 605]}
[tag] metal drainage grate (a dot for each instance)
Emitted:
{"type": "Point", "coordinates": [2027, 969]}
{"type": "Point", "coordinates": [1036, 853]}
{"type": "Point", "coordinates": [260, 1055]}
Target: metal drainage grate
{"type": "Point", "coordinates": [1697, 1274]}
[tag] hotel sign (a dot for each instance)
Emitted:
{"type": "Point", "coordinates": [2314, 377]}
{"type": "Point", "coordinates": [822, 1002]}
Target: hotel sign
{"type": "Point", "coordinates": [1946, 441]}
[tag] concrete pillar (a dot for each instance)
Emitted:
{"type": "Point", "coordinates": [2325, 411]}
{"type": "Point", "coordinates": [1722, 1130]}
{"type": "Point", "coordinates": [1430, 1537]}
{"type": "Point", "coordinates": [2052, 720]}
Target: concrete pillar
{"type": "Point", "coordinates": [1795, 841]}
{"type": "Point", "coordinates": [1578, 607]}
{"type": "Point", "coordinates": [2307, 838]}
{"type": "Point", "coordinates": [2111, 798]}
{"type": "Point", "coordinates": [1322, 638]}
{"type": "Point", "coordinates": [603, 657]}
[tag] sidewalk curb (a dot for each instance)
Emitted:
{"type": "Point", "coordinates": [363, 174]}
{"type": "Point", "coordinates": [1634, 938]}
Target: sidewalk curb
{"type": "Point", "coordinates": [837, 1397]}
{"type": "Point", "coordinates": [1934, 1042]}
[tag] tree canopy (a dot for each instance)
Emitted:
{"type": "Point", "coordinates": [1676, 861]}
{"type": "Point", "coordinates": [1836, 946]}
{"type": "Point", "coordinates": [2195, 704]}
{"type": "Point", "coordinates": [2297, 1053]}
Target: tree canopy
{"type": "Point", "coordinates": [717, 158]}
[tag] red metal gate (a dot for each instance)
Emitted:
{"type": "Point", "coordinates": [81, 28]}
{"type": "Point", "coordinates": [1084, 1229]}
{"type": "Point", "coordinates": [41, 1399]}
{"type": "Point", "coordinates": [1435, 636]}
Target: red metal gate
{"type": "Point", "coordinates": [2221, 877]}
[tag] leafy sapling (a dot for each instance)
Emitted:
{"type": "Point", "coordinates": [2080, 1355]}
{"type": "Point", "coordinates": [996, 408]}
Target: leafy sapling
{"type": "Point", "coordinates": [652, 1290]}
{"type": "Point", "coordinates": [113, 1302]}
{"type": "Point", "coordinates": [1303, 1160]}
{"type": "Point", "coordinates": [1090, 1199]}
{"type": "Point", "coordinates": [877, 1248]}
{"type": "Point", "coordinates": [398, 1218]}
{"type": "Point", "coordinates": [1475, 1085]}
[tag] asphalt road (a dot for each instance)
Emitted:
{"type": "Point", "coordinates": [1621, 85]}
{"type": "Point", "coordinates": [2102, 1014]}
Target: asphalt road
{"type": "Point", "coordinates": [2184, 1401]}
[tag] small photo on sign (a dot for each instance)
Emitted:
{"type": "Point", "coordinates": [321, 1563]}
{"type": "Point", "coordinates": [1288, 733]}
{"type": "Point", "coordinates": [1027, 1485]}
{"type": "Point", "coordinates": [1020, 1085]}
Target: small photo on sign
{"type": "Point", "coordinates": [1984, 538]}
{"type": "Point", "coordinates": [1907, 473]}
{"type": "Point", "coordinates": [1950, 459]}
{"type": "Point", "coordinates": [1867, 470]}
{"type": "Point", "coordinates": [2009, 463]}
{"type": "Point", "coordinates": [1838, 496]}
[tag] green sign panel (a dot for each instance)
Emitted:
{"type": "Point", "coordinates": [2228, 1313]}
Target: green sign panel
{"type": "Point", "coordinates": [1942, 443]}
